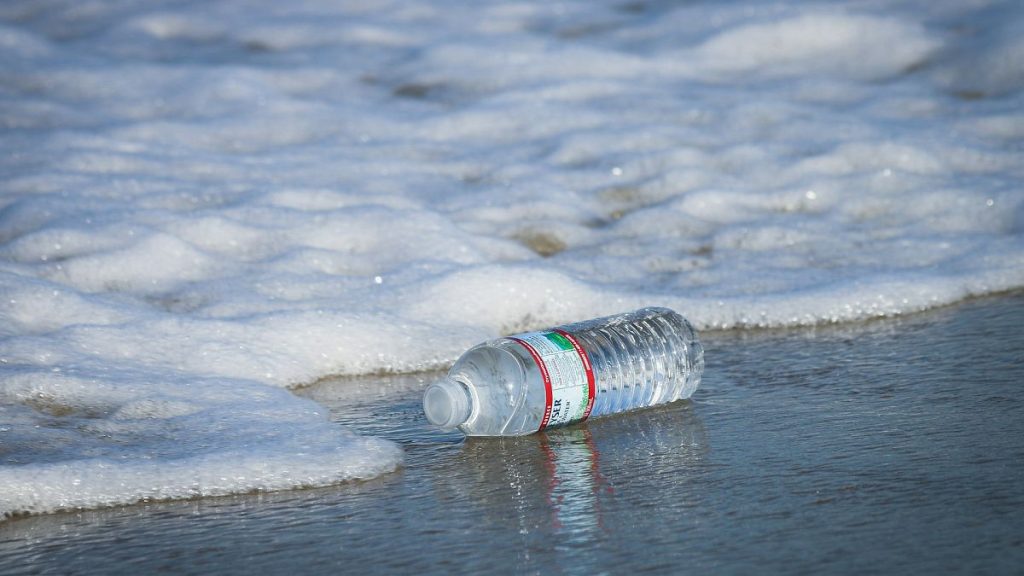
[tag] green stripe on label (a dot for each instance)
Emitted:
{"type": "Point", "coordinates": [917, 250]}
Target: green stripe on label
{"type": "Point", "coordinates": [559, 340]}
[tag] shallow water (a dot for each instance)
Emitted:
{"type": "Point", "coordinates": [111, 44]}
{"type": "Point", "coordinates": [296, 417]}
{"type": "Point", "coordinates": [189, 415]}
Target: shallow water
{"type": "Point", "coordinates": [896, 445]}
{"type": "Point", "coordinates": [205, 203]}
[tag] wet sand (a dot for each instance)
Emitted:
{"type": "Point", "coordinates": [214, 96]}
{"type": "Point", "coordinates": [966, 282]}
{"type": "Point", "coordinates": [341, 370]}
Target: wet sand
{"type": "Point", "coordinates": [894, 445]}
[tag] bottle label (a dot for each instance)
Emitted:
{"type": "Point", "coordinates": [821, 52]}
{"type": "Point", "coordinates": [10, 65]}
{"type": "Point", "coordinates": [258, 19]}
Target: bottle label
{"type": "Point", "coordinates": [568, 376]}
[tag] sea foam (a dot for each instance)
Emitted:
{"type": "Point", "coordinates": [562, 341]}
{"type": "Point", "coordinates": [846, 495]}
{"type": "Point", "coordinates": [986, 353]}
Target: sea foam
{"type": "Point", "coordinates": [205, 205]}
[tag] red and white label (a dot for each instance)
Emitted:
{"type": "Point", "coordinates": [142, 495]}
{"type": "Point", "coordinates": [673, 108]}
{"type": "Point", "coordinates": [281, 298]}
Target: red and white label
{"type": "Point", "coordinates": [567, 374]}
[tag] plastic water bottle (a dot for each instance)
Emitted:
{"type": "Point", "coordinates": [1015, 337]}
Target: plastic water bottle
{"type": "Point", "coordinates": [528, 382]}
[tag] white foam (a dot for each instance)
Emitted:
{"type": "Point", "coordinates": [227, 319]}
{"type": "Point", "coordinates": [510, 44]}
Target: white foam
{"type": "Point", "coordinates": [98, 435]}
{"type": "Point", "coordinates": [196, 215]}
{"type": "Point", "coordinates": [861, 46]}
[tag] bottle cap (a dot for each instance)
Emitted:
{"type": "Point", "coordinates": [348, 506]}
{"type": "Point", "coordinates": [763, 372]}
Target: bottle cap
{"type": "Point", "coordinates": [447, 403]}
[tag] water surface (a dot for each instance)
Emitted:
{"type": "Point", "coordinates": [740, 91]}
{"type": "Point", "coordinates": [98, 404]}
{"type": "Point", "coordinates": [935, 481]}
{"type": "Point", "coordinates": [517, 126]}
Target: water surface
{"type": "Point", "coordinates": [204, 204]}
{"type": "Point", "coordinates": [896, 445]}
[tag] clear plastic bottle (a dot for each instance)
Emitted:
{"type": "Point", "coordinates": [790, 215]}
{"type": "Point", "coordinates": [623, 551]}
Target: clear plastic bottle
{"type": "Point", "coordinates": [528, 382]}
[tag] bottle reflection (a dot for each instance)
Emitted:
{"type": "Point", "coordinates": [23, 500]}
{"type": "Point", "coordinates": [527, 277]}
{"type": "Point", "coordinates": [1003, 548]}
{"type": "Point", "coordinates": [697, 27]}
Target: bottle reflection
{"type": "Point", "coordinates": [572, 479]}
{"type": "Point", "coordinates": [557, 486]}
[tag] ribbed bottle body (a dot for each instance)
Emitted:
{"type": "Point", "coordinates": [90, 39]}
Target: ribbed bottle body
{"type": "Point", "coordinates": [528, 382]}
{"type": "Point", "coordinates": [648, 357]}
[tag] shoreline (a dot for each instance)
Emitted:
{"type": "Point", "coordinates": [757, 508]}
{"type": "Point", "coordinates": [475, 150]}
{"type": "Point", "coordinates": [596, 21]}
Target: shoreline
{"type": "Point", "coordinates": [711, 332]}
{"type": "Point", "coordinates": [420, 379]}
{"type": "Point", "coordinates": [857, 430]}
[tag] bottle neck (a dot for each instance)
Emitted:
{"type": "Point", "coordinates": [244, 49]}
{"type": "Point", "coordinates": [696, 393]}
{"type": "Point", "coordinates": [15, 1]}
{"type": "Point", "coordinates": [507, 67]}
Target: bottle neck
{"type": "Point", "coordinates": [447, 403]}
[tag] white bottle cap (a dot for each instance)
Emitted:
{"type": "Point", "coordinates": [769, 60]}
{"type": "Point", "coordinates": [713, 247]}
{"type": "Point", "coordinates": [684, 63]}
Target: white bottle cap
{"type": "Point", "coordinates": [447, 403]}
